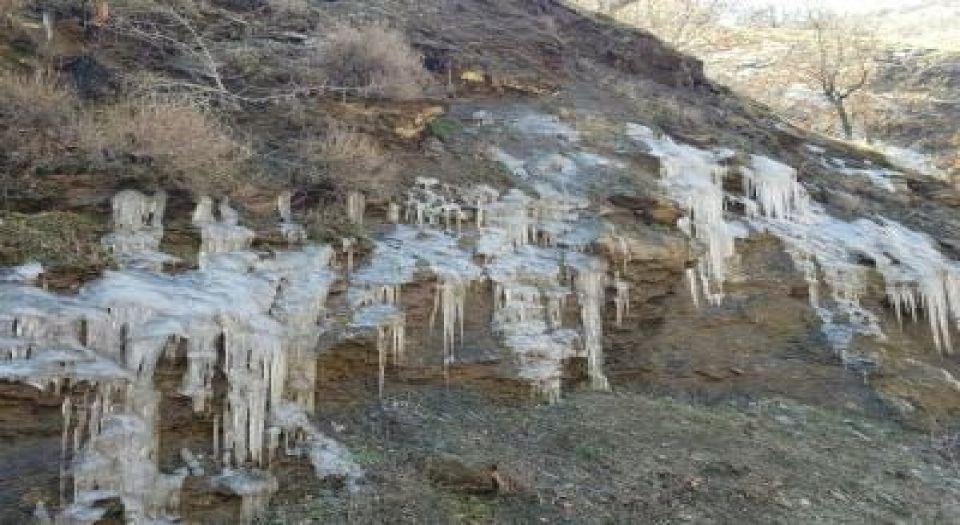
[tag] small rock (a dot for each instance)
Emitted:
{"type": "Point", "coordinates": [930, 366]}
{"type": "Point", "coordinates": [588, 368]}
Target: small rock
{"type": "Point", "coordinates": [432, 147]}
{"type": "Point", "coordinates": [784, 420]}
{"type": "Point", "coordinates": [483, 118]}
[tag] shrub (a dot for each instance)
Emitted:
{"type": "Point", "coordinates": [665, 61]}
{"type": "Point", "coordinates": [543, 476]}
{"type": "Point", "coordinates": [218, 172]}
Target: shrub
{"type": "Point", "coordinates": [178, 139]}
{"type": "Point", "coordinates": [342, 149]}
{"type": "Point", "coordinates": [373, 59]}
{"type": "Point", "coordinates": [37, 121]}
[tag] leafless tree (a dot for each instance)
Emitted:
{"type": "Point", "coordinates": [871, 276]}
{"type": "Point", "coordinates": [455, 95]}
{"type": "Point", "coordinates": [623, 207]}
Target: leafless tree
{"type": "Point", "coordinates": [841, 63]}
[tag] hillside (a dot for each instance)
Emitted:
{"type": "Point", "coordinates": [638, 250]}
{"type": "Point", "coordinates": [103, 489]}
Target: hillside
{"type": "Point", "coordinates": [929, 24]}
{"type": "Point", "coordinates": [910, 103]}
{"type": "Point", "coordinates": [450, 261]}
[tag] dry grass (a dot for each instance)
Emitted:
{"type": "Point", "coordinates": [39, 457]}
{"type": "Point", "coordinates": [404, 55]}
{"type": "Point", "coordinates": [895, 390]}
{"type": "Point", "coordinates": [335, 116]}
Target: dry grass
{"type": "Point", "coordinates": [343, 150]}
{"type": "Point", "coordinates": [178, 139]}
{"type": "Point", "coordinates": [9, 6]}
{"type": "Point", "coordinates": [53, 238]}
{"type": "Point", "coordinates": [376, 60]}
{"type": "Point", "coordinates": [294, 8]}
{"type": "Point", "coordinates": [37, 121]}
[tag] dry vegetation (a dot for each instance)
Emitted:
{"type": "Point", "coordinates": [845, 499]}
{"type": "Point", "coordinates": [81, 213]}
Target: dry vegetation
{"type": "Point", "coordinates": [179, 139]}
{"type": "Point", "coordinates": [37, 121]}
{"type": "Point", "coordinates": [355, 158]}
{"type": "Point", "coordinates": [8, 6]}
{"type": "Point", "coordinates": [373, 59]}
{"type": "Point", "coordinates": [43, 126]}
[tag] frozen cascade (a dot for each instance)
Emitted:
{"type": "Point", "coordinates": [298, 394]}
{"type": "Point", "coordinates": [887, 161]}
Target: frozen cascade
{"type": "Point", "coordinates": [523, 242]}
{"type": "Point", "coordinates": [918, 277]}
{"type": "Point", "coordinates": [389, 323]}
{"type": "Point", "coordinates": [259, 316]}
{"type": "Point", "coordinates": [119, 459]}
{"type": "Point", "coordinates": [290, 230]}
{"type": "Point", "coordinates": [775, 188]}
{"type": "Point", "coordinates": [694, 179]}
{"type": "Point", "coordinates": [112, 334]}
{"type": "Point", "coordinates": [137, 230]}
{"type": "Point", "coordinates": [395, 262]}
{"type": "Point", "coordinates": [916, 274]}
{"type": "Point", "coordinates": [590, 280]}
{"type": "Point", "coordinates": [222, 236]}
{"type": "Point", "coordinates": [449, 299]}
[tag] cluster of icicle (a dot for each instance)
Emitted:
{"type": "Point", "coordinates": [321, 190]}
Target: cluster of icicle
{"type": "Point", "coordinates": [138, 230]}
{"type": "Point", "coordinates": [255, 317]}
{"type": "Point", "coordinates": [533, 251]}
{"type": "Point", "coordinates": [290, 230]}
{"type": "Point", "coordinates": [918, 277]}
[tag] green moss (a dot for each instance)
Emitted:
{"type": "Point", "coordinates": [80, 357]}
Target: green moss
{"type": "Point", "coordinates": [52, 238]}
{"type": "Point", "coordinates": [443, 128]}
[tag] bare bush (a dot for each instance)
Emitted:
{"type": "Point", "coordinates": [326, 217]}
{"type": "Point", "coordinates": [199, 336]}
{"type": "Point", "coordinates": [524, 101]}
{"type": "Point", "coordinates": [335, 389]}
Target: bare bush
{"type": "Point", "coordinates": [342, 149]}
{"type": "Point", "coordinates": [176, 138]}
{"type": "Point", "coordinates": [374, 59]}
{"type": "Point", "coordinates": [37, 121]}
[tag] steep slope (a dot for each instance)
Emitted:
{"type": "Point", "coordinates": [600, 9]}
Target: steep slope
{"type": "Point", "coordinates": [572, 209]}
{"type": "Point", "coordinates": [909, 107]}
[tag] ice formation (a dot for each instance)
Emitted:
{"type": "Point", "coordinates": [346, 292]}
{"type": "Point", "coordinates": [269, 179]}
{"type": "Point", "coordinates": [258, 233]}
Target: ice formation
{"type": "Point", "coordinates": [917, 276]}
{"type": "Point", "coordinates": [622, 298]}
{"type": "Point", "coordinates": [532, 249]}
{"type": "Point", "coordinates": [25, 273]}
{"type": "Point", "coordinates": [219, 236]}
{"type": "Point", "coordinates": [255, 317]}
{"type": "Point", "coordinates": [137, 230]}
{"type": "Point", "coordinates": [290, 230]}
{"type": "Point", "coordinates": [694, 179]}
{"type": "Point", "coordinates": [356, 207]}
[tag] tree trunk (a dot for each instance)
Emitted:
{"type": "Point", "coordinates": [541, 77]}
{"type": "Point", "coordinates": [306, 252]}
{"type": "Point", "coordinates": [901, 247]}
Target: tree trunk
{"type": "Point", "coordinates": [845, 123]}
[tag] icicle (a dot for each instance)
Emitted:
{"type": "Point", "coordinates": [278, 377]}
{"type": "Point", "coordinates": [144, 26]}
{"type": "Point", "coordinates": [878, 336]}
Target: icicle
{"type": "Point", "coordinates": [203, 213]}
{"type": "Point", "coordinates": [290, 230]}
{"type": "Point", "coordinates": [449, 300]}
{"type": "Point", "coordinates": [216, 436]}
{"type": "Point", "coordinates": [774, 186]}
{"type": "Point", "coordinates": [137, 230]}
{"type": "Point", "coordinates": [622, 299]}
{"type": "Point", "coordinates": [347, 245]}
{"type": "Point", "coordinates": [284, 208]}
{"type": "Point", "coordinates": [393, 213]}
{"type": "Point", "coordinates": [356, 206]}
{"type": "Point", "coordinates": [228, 215]}
{"type": "Point", "coordinates": [694, 291]}
{"type": "Point", "coordinates": [589, 283]}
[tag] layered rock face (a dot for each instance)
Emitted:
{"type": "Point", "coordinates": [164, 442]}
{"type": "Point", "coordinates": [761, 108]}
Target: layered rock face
{"type": "Point", "coordinates": [567, 282]}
